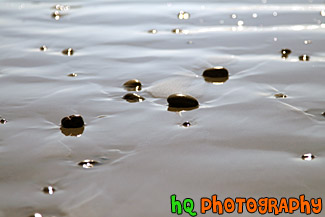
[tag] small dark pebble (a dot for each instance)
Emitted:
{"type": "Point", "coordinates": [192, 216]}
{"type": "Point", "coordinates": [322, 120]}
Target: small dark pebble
{"type": "Point", "coordinates": [186, 124]}
{"type": "Point", "coordinates": [152, 31]}
{"type": "Point", "coordinates": [308, 157]}
{"type": "Point", "coordinates": [133, 97]}
{"type": "Point", "coordinates": [49, 190]}
{"type": "Point", "coordinates": [68, 52]}
{"type": "Point", "coordinates": [304, 57]}
{"type": "Point", "coordinates": [73, 121]}
{"type": "Point", "coordinates": [3, 121]}
{"type": "Point", "coordinates": [88, 163]}
{"type": "Point", "coordinates": [73, 75]}
{"type": "Point", "coordinates": [217, 74]}
{"type": "Point", "coordinates": [43, 48]}
{"type": "Point", "coordinates": [280, 95]}
{"type": "Point", "coordinates": [56, 15]}
{"type": "Point", "coordinates": [285, 53]}
{"type": "Point", "coordinates": [323, 114]}
{"type": "Point", "coordinates": [133, 85]}
{"type": "Point", "coordinates": [177, 31]}
{"type": "Point", "coordinates": [182, 101]}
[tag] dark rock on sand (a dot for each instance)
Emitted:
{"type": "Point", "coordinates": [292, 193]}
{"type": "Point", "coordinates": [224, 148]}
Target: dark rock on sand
{"type": "Point", "coordinates": [304, 57]}
{"type": "Point", "coordinates": [68, 51]}
{"type": "Point", "coordinates": [88, 163]}
{"type": "Point", "coordinates": [182, 101]}
{"type": "Point", "coordinates": [216, 74]}
{"type": "Point", "coordinates": [285, 53]}
{"type": "Point", "coordinates": [43, 48]}
{"type": "Point", "coordinates": [280, 95]}
{"type": "Point", "coordinates": [133, 85]}
{"type": "Point", "coordinates": [49, 190]}
{"type": "Point", "coordinates": [186, 124]}
{"type": "Point", "coordinates": [73, 121]}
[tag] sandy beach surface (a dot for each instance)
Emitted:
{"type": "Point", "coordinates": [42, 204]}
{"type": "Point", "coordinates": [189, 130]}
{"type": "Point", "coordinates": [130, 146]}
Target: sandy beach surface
{"type": "Point", "coordinates": [243, 141]}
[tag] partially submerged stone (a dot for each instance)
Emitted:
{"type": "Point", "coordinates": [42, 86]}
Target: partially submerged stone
{"type": "Point", "coordinates": [133, 97]}
{"type": "Point", "coordinates": [285, 53]}
{"type": "Point", "coordinates": [179, 102]}
{"type": "Point", "coordinates": [88, 163]}
{"type": "Point", "coordinates": [280, 95]}
{"type": "Point", "coordinates": [304, 57]}
{"type": "Point", "coordinates": [43, 48]}
{"type": "Point", "coordinates": [186, 124]}
{"type": "Point", "coordinates": [49, 190]}
{"type": "Point", "coordinates": [133, 85]}
{"type": "Point", "coordinates": [217, 74]}
{"type": "Point", "coordinates": [72, 121]}
{"type": "Point", "coordinates": [68, 51]}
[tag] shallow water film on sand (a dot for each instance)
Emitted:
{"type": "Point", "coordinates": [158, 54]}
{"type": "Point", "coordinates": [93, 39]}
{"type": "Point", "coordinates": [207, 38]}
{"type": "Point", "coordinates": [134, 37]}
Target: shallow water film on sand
{"type": "Point", "coordinates": [110, 107]}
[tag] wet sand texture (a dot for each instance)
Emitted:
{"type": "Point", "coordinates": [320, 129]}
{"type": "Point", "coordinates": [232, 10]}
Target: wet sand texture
{"type": "Point", "coordinates": [256, 128]}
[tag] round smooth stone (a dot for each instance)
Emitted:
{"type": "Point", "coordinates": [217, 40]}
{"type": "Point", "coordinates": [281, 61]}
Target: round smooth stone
{"type": "Point", "coordinates": [68, 51]}
{"type": "Point", "coordinates": [133, 85]}
{"type": "Point", "coordinates": [216, 74]}
{"type": "Point", "coordinates": [73, 121]}
{"type": "Point", "coordinates": [179, 100]}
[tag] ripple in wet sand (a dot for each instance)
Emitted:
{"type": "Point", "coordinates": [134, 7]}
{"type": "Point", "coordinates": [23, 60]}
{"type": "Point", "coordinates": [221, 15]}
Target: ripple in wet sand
{"type": "Point", "coordinates": [304, 57]}
{"type": "Point", "coordinates": [49, 190]}
{"type": "Point", "coordinates": [133, 85]}
{"type": "Point", "coordinates": [88, 163]}
{"type": "Point", "coordinates": [308, 157]}
{"type": "Point", "coordinates": [68, 52]}
{"type": "Point", "coordinates": [179, 102]}
{"type": "Point", "coordinates": [72, 121]}
{"type": "Point", "coordinates": [133, 97]}
{"type": "Point", "coordinates": [216, 74]}
{"type": "Point", "coordinates": [285, 53]}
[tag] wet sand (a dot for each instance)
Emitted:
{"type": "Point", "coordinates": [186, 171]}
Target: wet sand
{"type": "Point", "coordinates": [243, 140]}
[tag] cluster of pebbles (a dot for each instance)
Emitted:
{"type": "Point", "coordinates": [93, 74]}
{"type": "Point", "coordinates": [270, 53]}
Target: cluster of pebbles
{"type": "Point", "coordinates": [286, 52]}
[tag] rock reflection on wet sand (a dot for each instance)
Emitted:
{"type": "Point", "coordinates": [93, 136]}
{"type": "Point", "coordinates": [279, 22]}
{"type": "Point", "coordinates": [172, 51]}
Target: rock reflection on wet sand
{"type": "Point", "coordinates": [133, 97]}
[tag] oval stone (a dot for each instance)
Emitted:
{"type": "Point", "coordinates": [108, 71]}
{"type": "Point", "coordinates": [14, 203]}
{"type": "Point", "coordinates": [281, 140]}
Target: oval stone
{"type": "Point", "coordinates": [133, 97]}
{"type": "Point", "coordinates": [73, 121]}
{"type": "Point", "coordinates": [68, 52]}
{"type": "Point", "coordinates": [304, 57]}
{"type": "Point", "coordinates": [133, 85]}
{"type": "Point", "coordinates": [179, 100]}
{"type": "Point", "coordinates": [216, 74]}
